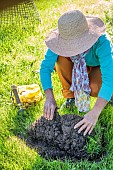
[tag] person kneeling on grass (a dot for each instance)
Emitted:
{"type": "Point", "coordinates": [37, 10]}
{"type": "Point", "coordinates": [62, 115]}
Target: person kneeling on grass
{"type": "Point", "coordinates": [82, 54]}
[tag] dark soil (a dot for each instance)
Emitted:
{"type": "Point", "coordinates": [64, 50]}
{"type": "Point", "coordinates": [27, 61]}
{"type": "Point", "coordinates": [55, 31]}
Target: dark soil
{"type": "Point", "coordinates": [57, 138]}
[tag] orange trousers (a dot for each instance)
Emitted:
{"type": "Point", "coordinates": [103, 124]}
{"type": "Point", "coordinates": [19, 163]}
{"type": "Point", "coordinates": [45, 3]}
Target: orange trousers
{"type": "Point", "coordinates": [64, 67]}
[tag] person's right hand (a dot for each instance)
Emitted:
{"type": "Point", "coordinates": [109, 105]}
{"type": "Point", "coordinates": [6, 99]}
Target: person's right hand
{"type": "Point", "coordinates": [49, 108]}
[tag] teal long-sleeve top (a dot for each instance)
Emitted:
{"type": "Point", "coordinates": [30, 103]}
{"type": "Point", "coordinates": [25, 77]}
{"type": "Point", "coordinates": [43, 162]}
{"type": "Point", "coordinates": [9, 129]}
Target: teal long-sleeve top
{"type": "Point", "coordinates": [100, 54]}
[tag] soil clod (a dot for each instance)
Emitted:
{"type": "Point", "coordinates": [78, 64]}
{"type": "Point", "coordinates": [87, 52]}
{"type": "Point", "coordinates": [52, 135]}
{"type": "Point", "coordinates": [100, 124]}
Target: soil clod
{"type": "Point", "coordinates": [57, 138]}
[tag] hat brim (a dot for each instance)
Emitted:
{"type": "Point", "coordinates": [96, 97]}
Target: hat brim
{"type": "Point", "coordinates": [71, 47]}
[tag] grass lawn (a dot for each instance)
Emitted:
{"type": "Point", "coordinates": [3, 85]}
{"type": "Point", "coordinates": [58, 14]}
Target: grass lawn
{"type": "Point", "coordinates": [21, 53]}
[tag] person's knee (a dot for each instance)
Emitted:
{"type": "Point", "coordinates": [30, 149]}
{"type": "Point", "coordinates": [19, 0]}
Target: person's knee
{"type": "Point", "coordinates": [94, 89]}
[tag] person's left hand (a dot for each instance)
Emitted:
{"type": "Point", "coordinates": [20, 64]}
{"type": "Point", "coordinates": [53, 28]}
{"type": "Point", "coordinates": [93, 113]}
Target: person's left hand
{"type": "Point", "coordinates": [88, 122]}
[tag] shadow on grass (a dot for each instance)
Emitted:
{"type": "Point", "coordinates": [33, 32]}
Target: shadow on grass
{"type": "Point", "coordinates": [23, 120]}
{"type": "Point", "coordinates": [99, 146]}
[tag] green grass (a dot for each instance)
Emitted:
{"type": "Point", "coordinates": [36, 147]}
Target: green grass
{"type": "Point", "coordinates": [21, 52]}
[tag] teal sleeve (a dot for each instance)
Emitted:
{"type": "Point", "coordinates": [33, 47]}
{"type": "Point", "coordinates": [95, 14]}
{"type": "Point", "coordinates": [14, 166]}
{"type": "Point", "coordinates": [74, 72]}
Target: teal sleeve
{"type": "Point", "coordinates": [47, 68]}
{"type": "Point", "coordinates": [104, 52]}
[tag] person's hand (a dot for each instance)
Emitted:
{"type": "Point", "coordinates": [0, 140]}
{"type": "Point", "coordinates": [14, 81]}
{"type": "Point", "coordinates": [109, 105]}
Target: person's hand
{"type": "Point", "coordinates": [88, 122]}
{"type": "Point", "coordinates": [49, 108]}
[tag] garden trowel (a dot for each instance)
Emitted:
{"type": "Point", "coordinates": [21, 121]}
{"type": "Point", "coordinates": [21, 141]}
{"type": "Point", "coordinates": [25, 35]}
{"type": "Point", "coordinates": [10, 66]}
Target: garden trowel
{"type": "Point", "coordinates": [14, 90]}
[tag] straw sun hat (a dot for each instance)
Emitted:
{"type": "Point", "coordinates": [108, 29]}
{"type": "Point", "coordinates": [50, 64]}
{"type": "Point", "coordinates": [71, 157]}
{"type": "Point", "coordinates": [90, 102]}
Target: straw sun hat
{"type": "Point", "coordinates": [76, 33]}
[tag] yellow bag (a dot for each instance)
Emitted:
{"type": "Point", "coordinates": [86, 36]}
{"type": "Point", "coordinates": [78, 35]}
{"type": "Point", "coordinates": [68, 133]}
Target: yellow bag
{"type": "Point", "coordinates": [28, 94]}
